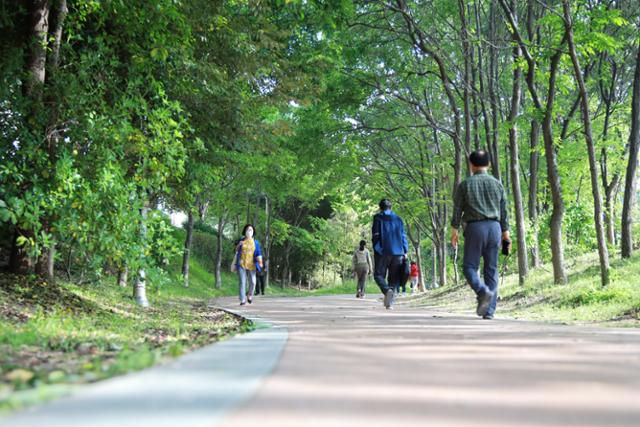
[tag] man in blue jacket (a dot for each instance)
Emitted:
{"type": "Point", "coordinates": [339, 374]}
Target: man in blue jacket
{"type": "Point", "coordinates": [390, 248]}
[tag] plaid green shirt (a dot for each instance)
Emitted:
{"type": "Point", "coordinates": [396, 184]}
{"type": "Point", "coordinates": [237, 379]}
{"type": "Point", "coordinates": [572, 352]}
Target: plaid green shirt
{"type": "Point", "coordinates": [480, 197]}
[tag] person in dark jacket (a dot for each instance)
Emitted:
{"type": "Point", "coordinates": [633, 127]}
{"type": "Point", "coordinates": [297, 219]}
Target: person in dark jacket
{"type": "Point", "coordinates": [480, 203]}
{"type": "Point", "coordinates": [390, 248]}
{"type": "Point", "coordinates": [261, 281]}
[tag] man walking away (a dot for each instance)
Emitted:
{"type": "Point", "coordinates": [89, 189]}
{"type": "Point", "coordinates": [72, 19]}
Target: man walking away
{"type": "Point", "coordinates": [390, 248]}
{"type": "Point", "coordinates": [480, 203]}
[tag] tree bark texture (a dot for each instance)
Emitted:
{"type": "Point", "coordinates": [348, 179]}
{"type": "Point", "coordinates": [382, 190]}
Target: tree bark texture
{"type": "Point", "coordinates": [553, 177]}
{"type": "Point", "coordinates": [603, 251]}
{"type": "Point", "coordinates": [523, 263]}
{"type": "Point", "coordinates": [629, 199]}
{"type": "Point", "coordinates": [140, 286]}
{"type": "Point", "coordinates": [218, 258]}
{"type": "Point", "coordinates": [186, 254]}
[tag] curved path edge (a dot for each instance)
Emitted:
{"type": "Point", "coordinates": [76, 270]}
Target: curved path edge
{"type": "Point", "coordinates": [196, 389]}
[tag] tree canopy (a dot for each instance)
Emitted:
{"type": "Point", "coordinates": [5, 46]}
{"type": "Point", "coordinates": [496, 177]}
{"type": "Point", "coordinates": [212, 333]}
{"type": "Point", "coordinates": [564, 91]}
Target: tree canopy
{"type": "Point", "coordinates": [298, 116]}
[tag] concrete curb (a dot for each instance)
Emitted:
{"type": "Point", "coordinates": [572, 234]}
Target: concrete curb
{"type": "Point", "coordinates": [197, 389]}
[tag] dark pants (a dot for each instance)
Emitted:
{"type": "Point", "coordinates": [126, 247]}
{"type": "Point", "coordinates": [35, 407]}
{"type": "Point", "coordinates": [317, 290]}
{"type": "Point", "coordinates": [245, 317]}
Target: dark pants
{"type": "Point", "coordinates": [260, 283]}
{"type": "Point", "coordinates": [387, 272]}
{"type": "Point", "coordinates": [482, 240]}
{"type": "Point", "coordinates": [362, 270]}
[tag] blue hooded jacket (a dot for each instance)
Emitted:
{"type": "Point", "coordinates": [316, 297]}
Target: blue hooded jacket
{"type": "Point", "coordinates": [387, 234]}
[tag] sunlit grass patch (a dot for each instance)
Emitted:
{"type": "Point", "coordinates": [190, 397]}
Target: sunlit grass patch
{"type": "Point", "coordinates": [581, 300]}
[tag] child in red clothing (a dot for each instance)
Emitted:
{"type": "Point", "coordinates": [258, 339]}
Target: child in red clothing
{"type": "Point", "coordinates": [413, 275]}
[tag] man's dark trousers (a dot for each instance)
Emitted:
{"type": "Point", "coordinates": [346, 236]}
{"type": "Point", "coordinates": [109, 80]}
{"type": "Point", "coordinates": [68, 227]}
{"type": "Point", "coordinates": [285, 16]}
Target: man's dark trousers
{"type": "Point", "coordinates": [387, 271]}
{"type": "Point", "coordinates": [482, 239]}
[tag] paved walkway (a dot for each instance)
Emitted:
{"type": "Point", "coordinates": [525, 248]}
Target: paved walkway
{"type": "Point", "coordinates": [349, 362]}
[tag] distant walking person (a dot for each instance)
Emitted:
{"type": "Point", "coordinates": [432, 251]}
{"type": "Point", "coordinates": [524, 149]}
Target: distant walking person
{"type": "Point", "coordinates": [480, 203]}
{"type": "Point", "coordinates": [413, 276]}
{"type": "Point", "coordinates": [247, 261]}
{"type": "Point", "coordinates": [390, 248]}
{"type": "Point", "coordinates": [361, 267]}
{"type": "Point", "coordinates": [261, 281]}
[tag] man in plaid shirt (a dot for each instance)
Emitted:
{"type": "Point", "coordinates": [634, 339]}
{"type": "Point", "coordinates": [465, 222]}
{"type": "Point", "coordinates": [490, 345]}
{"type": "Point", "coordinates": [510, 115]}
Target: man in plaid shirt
{"type": "Point", "coordinates": [480, 203]}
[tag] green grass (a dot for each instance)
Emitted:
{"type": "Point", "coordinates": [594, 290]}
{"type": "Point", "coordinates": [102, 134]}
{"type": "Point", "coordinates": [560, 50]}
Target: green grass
{"type": "Point", "coordinates": [53, 337]}
{"type": "Point", "coordinates": [582, 300]}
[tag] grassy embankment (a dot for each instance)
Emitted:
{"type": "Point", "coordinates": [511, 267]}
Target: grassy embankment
{"type": "Point", "coordinates": [581, 301]}
{"type": "Point", "coordinates": [55, 337]}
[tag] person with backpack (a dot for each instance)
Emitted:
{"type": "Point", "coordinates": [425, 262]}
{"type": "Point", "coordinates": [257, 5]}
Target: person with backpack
{"type": "Point", "coordinates": [247, 261]}
{"type": "Point", "coordinates": [362, 267]}
{"type": "Point", "coordinates": [390, 248]}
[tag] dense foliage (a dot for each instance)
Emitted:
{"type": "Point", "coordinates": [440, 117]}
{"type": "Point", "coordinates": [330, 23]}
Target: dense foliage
{"type": "Point", "coordinates": [298, 116]}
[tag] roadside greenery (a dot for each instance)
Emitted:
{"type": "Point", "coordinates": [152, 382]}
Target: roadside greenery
{"type": "Point", "coordinates": [55, 337]}
{"type": "Point", "coordinates": [581, 301]}
{"type": "Point", "coordinates": [298, 117]}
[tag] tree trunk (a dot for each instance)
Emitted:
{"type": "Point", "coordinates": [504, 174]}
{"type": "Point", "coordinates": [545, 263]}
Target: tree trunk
{"type": "Point", "coordinates": [603, 251]}
{"type": "Point", "coordinates": [534, 156]}
{"type": "Point", "coordinates": [442, 260]}
{"type": "Point", "coordinates": [219, 238]}
{"type": "Point", "coordinates": [434, 266]}
{"type": "Point", "coordinates": [187, 248]}
{"type": "Point", "coordinates": [557, 214]}
{"type": "Point", "coordinates": [286, 274]}
{"type": "Point", "coordinates": [55, 24]}
{"type": "Point", "coordinates": [609, 213]}
{"type": "Point", "coordinates": [534, 137]}
{"type": "Point", "coordinates": [553, 177]}
{"type": "Point", "coordinates": [523, 263]}
{"type": "Point", "coordinates": [629, 199]}
{"type": "Point", "coordinates": [37, 58]}
{"type": "Point", "coordinates": [467, 75]}
{"type": "Point", "coordinates": [481, 79]}
{"type": "Point", "coordinates": [35, 70]}
{"type": "Point", "coordinates": [267, 240]}
{"type": "Point", "coordinates": [61, 11]}
{"type": "Point", "coordinates": [420, 284]}
{"type": "Point", "coordinates": [494, 149]}
{"type": "Point", "coordinates": [140, 287]}
{"type": "Point", "coordinates": [123, 276]}
{"type": "Point", "coordinates": [51, 259]}
{"type": "Point", "coordinates": [610, 188]}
